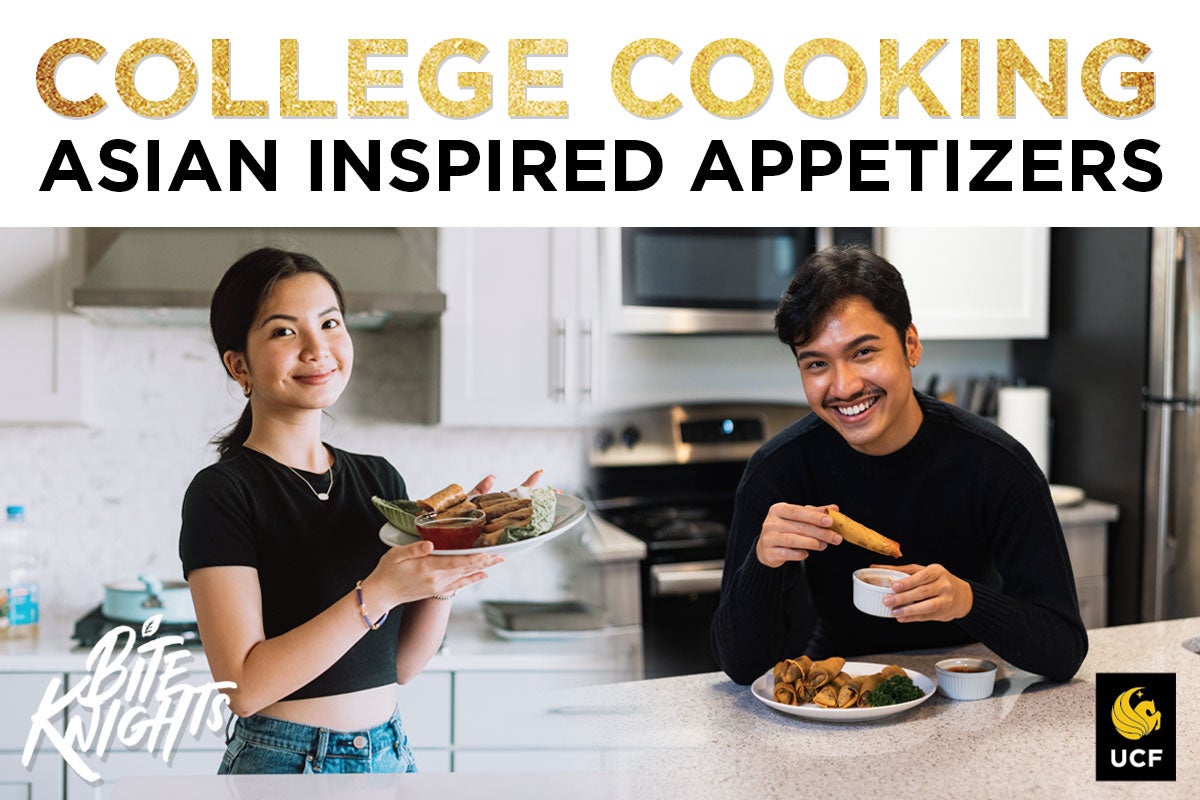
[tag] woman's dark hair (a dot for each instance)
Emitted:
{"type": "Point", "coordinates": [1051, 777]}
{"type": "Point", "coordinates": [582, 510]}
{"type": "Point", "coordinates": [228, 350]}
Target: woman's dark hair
{"type": "Point", "coordinates": [236, 304]}
{"type": "Point", "coordinates": [830, 276]}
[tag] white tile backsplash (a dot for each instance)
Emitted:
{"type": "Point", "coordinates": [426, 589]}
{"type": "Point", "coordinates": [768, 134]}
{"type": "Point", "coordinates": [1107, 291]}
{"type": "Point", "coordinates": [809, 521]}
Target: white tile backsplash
{"type": "Point", "coordinates": [103, 501]}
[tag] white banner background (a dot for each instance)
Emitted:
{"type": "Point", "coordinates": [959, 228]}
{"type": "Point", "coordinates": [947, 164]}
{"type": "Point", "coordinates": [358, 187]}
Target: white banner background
{"type": "Point", "coordinates": [595, 34]}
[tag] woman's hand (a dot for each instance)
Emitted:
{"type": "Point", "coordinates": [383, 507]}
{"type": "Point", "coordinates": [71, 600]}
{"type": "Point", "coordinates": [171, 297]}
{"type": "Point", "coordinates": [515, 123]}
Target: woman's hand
{"type": "Point", "coordinates": [930, 594]}
{"type": "Point", "coordinates": [485, 485]}
{"type": "Point", "coordinates": [790, 533]}
{"type": "Point", "coordinates": [409, 573]}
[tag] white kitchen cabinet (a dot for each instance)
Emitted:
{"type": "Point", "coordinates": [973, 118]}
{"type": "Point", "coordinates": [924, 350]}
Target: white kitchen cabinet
{"type": "Point", "coordinates": [424, 704]}
{"type": "Point", "coordinates": [1085, 531]}
{"type": "Point", "coordinates": [974, 283]}
{"type": "Point", "coordinates": [518, 332]}
{"type": "Point", "coordinates": [38, 269]}
{"type": "Point", "coordinates": [41, 781]}
{"type": "Point", "coordinates": [432, 760]}
{"type": "Point", "coordinates": [20, 695]}
{"type": "Point", "coordinates": [520, 709]}
{"type": "Point", "coordinates": [128, 763]}
{"type": "Point", "coordinates": [528, 760]}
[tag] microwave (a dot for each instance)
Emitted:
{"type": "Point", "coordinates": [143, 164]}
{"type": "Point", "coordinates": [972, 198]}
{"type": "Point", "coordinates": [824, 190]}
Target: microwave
{"type": "Point", "coordinates": [706, 280]}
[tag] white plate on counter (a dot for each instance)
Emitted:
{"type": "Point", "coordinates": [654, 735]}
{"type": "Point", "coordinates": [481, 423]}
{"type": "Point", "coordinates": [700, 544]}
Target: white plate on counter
{"type": "Point", "coordinates": [568, 511]}
{"type": "Point", "coordinates": [764, 691]}
{"type": "Point", "coordinates": [1066, 496]}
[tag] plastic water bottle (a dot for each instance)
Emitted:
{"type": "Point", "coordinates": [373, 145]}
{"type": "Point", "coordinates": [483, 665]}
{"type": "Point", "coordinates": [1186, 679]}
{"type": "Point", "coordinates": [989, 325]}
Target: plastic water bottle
{"type": "Point", "coordinates": [18, 575]}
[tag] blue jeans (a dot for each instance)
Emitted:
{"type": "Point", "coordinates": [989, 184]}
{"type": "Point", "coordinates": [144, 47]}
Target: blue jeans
{"type": "Point", "coordinates": [266, 745]}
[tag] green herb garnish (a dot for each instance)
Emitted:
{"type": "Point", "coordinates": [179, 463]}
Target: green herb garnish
{"type": "Point", "coordinates": [896, 689]}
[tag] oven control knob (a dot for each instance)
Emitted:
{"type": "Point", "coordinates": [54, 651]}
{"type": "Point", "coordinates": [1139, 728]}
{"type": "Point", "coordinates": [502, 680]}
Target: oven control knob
{"type": "Point", "coordinates": [631, 436]}
{"type": "Point", "coordinates": [604, 439]}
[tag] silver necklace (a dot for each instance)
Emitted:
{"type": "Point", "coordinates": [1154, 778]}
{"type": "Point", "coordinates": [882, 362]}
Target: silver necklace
{"type": "Point", "coordinates": [320, 495]}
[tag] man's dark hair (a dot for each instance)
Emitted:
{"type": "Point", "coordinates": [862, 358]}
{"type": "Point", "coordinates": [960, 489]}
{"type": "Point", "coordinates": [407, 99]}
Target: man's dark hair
{"type": "Point", "coordinates": [830, 276]}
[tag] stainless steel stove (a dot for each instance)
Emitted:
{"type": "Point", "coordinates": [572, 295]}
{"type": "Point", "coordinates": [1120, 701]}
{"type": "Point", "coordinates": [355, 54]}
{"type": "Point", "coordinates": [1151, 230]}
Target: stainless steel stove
{"type": "Point", "coordinates": [668, 476]}
{"type": "Point", "coordinates": [91, 627]}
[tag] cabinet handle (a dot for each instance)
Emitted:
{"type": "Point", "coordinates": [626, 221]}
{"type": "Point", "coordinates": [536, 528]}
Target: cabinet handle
{"type": "Point", "coordinates": [559, 390]}
{"type": "Point", "coordinates": [585, 335]}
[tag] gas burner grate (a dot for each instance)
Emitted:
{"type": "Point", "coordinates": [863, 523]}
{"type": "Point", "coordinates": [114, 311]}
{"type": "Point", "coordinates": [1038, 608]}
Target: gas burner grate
{"type": "Point", "coordinates": [90, 629]}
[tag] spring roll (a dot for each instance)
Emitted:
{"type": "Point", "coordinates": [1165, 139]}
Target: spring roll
{"type": "Point", "coordinates": [891, 671]}
{"type": "Point", "coordinates": [827, 695]}
{"type": "Point", "coordinates": [496, 510]}
{"type": "Point", "coordinates": [452, 495]}
{"type": "Point", "coordinates": [859, 534]}
{"type": "Point", "coordinates": [868, 685]}
{"type": "Point", "coordinates": [491, 497]}
{"type": "Point", "coordinates": [489, 539]}
{"type": "Point", "coordinates": [454, 511]}
{"type": "Point", "coordinates": [848, 694]}
{"type": "Point", "coordinates": [796, 669]}
{"type": "Point", "coordinates": [824, 671]}
{"type": "Point", "coordinates": [785, 693]}
{"type": "Point", "coordinates": [517, 518]}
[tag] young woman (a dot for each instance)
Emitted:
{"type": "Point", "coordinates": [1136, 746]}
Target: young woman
{"type": "Point", "coordinates": [298, 601]}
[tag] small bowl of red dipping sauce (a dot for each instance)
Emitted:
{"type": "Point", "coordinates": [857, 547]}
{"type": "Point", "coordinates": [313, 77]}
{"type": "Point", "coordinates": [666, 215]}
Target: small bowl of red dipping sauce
{"type": "Point", "coordinates": [871, 585]}
{"type": "Point", "coordinates": [458, 532]}
{"type": "Point", "coordinates": [966, 678]}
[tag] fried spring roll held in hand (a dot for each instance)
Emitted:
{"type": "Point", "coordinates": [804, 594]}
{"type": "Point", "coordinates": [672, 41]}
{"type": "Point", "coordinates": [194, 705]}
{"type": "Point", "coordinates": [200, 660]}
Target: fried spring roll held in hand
{"type": "Point", "coordinates": [859, 534]}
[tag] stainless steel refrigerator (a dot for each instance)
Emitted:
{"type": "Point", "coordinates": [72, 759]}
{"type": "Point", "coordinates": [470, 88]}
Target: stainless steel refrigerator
{"type": "Point", "coordinates": [1171, 556]}
{"type": "Point", "coordinates": [1122, 339]}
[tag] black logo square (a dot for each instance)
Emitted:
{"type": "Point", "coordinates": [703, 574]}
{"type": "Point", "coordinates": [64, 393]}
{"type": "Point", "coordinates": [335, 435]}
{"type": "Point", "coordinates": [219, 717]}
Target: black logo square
{"type": "Point", "coordinates": [1135, 726]}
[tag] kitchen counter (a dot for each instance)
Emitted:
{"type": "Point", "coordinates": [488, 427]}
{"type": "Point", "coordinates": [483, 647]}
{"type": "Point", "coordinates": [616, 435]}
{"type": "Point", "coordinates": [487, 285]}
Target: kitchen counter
{"type": "Point", "coordinates": [606, 542]}
{"type": "Point", "coordinates": [493, 786]}
{"type": "Point", "coordinates": [470, 646]}
{"type": "Point", "coordinates": [1088, 512]}
{"type": "Point", "coordinates": [702, 736]}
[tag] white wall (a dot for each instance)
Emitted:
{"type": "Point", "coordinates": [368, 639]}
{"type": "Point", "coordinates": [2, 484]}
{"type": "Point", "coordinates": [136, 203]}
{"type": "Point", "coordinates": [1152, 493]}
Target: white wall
{"type": "Point", "coordinates": [103, 501]}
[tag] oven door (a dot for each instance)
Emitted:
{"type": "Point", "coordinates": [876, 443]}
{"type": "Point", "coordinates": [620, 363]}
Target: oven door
{"type": "Point", "coordinates": [706, 280]}
{"type": "Point", "coordinates": [679, 600]}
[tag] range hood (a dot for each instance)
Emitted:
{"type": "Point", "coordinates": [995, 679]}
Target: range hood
{"type": "Point", "coordinates": [166, 276]}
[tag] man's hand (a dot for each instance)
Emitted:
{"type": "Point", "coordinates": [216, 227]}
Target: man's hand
{"type": "Point", "coordinates": [929, 594]}
{"type": "Point", "coordinates": [790, 533]}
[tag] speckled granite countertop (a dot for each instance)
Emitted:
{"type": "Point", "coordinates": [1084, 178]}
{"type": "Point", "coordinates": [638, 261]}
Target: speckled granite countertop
{"type": "Point", "coordinates": [702, 736]}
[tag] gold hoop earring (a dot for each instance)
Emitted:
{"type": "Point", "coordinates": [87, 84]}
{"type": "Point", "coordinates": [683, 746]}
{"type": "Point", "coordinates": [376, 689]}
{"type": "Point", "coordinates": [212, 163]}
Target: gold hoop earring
{"type": "Point", "coordinates": [246, 390]}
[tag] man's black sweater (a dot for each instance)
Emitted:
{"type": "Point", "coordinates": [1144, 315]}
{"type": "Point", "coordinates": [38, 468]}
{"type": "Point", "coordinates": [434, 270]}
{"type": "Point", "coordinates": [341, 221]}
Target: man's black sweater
{"type": "Point", "coordinates": [962, 494]}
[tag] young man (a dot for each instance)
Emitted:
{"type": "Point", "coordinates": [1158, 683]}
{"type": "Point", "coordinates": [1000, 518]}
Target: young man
{"type": "Point", "coordinates": [968, 504]}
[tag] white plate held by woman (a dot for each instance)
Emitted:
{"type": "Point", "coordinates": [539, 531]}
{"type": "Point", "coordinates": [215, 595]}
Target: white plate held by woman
{"type": "Point", "coordinates": [568, 511]}
{"type": "Point", "coordinates": [764, 690]}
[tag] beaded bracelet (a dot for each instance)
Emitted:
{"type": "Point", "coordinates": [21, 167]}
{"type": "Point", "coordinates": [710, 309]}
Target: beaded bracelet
{"type": "Point", "coordinates": [363, 609]}
{"type": "Point", "coordinates": [447, 596]}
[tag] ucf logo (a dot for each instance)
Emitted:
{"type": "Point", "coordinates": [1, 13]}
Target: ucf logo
{"type": "Point", "coordinates": [1135, 721]}
{"type": "Point", "coordinates": [1135, 726]}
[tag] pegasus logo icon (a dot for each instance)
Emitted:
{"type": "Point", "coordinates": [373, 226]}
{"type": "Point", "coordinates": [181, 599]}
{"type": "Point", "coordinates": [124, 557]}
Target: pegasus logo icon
{"type": "Point", "coordinates": [1135, 721]}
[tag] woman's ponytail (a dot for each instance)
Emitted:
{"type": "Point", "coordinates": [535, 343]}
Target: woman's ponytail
{"type": "Point", "coordinates": [235, 436]}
